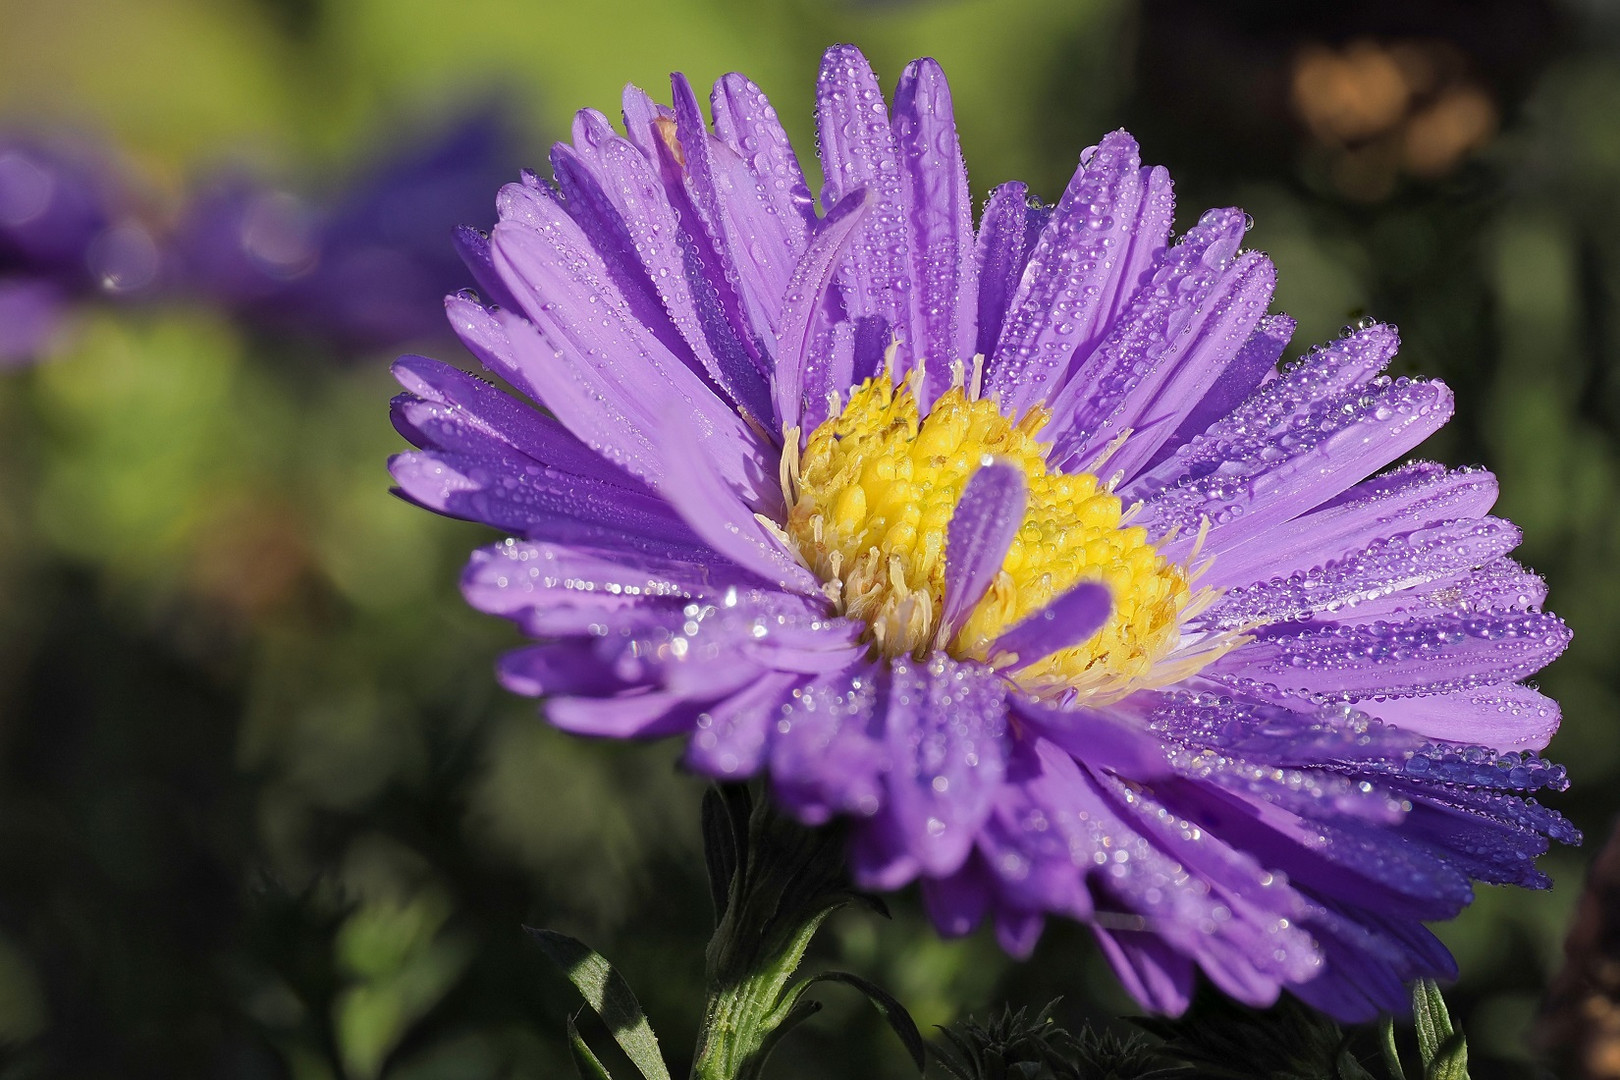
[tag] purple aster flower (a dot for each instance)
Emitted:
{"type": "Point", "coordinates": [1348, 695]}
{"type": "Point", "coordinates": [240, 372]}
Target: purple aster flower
{"type": "Point", "coordinates": [365, 271]}
{"type": "Point", "coordinates": [67, 231]}
{"type": "Point", "coordinates": [1011, 544]}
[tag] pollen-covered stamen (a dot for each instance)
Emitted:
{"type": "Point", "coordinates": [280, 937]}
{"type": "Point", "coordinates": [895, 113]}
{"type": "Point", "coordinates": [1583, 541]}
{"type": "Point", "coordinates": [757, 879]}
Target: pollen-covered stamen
{"type": "Point", "coordinates": [872, 496]}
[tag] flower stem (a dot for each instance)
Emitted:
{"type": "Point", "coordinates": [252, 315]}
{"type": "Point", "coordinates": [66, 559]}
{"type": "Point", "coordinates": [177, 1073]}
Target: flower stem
{"type": "Point", "coordinates": [774, 883]}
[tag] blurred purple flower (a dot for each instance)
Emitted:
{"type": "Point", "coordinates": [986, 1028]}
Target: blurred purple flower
{"type": "Point", "coordinates": [366, 271]}
{"type": "Point", "coordinates": [1013, 545]}
{"type": "Point", "coordinates": [67, 231]}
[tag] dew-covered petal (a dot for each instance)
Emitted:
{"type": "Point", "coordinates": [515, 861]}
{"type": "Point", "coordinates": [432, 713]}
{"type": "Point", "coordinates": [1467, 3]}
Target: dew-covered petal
{"type": "Point", "coordinates": [1507, 716]}
{"type": "Point", "coordinates": [1430, 656]}
{"type": "Point", "coordinates": [943, 270]}
{"type": "Point", "coordinates": [1255, 361]}
{"type": "Point", "coordinates": [1413, 496]}
{"type": "Point", "coordinates": [521, 496]}
{"type": "Point", "coordinates": [745, 120]}
{"type": "Point", "coordinates": [730, 739]}
{"type": "Point", "coordinates": [564, 289]}
{"type": "Point", "coordinates": [1099, 738]}
{"type": "Point", "coordinates": [727, 199]}
{"type": "Point", "coordinates": [1169, 338]}
{"type": "Point", "coordinates": [829, 753]}
{"type": "Point", "coordinates": [806, 295]}
{"type": "Point", "coordinates": [1194, 354]}
{"type": "Point", "coordinates": [981, 530]}
{"type": "Point", "coordinates": [1060, 298]}
{"type": "Point", "coordinates": [944, 726]}
{"type": "Point", "coordinates": [514, 578]}
{"type": "Point", "coordinates": [1392, 564]}
{"type": "Point", "coordinates": [858, 151]}
{"type": "Point", "coordinates": [448, 409]}
{"type": "Point", "coordinates": [671, 264]}
{"type": "Point", "coordinates": [1257, 481]}
{"type": "Point", "coordinates": [1001, 250]}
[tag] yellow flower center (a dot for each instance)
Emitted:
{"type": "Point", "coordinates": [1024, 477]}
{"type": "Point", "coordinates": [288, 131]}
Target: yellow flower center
{"type": "Point", "coordinates": [872, 495]}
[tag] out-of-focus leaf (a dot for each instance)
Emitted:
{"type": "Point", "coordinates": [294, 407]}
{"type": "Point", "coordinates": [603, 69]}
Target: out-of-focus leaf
{"type": "Point", "coordinates": [606, 992]}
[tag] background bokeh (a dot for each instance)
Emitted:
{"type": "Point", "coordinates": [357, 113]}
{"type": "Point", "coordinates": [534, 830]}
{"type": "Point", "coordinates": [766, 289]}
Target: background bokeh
{"type": "Point", "coordinates": [263, 811]}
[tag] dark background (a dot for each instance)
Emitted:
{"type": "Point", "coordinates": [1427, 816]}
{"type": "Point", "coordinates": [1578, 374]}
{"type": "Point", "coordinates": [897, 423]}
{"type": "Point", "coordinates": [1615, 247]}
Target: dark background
{"type": "Point", "coordinates": [263, 811]}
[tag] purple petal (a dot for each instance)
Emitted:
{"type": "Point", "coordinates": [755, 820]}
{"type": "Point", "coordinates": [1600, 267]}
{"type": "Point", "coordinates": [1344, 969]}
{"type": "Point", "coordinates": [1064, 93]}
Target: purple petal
{"type": "Point", "coordinates": [563, 287]}
{"type": "Point", "coordinates": [716, 511]}
{"type": "Point", "coordinates": [453, 410]}
{"type": "Point", "coordinates": [1398, 562]}
{"type": "Point", "coordinates": [1183, 372]}
{"type": "Point", "coordinates": [858, 151]}
{"type": "Point", "coordinates": [1060, 299]}
{"type": "Point", "coordinates": [1098, 738]}
{"type": "Point", "coordinates": [805, 296]}
{"type": "Point", "coordinates": [1437, 655]}
{"type": "Point", "coordinates": [1411, 497]}
{"type": "Point", "coordinates": [1000, 254]}
{"type": "Point", "coordinates": [1263, 479]}
{"type": "Point", "coordinates": [981, 531]}
{"type": "Point", "coordinates": [734, 214]}
{"type": "Point", "coordinates": [641, 714]}
{"type": "Point", "coordinates": [730, 739]}
{"type": "Point", "coordinates": [943, 312]}
{"type": "Point", "coordinates": [1504, 717]}
{"type": "Point", "coordinates": [1254, 362]}
{"type": "Point", "coordinates": [1068, 620]}
{"type": "Point", "coordinates": [653, 238]}
{"type": "Point", "coordinates": [745, 120]}
{"type": "Point", "coordinates": [945, 727]}
{"type": "Point", "coordinates": [1153, 972]}
{"type": "Point", "coordinates": [828, 754]}
{"type": "Point", "coordinates": [473, 247]}
{"type": "Point", "coordinates": [1111, 388]}
{"type": "Point", "coordinates": [518, 495]}
{"type": "Point", "coordinates": [958, 903]}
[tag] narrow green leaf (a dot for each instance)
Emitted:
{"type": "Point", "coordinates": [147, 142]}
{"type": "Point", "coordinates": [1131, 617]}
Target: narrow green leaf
{"type": "Point", "coordinates": [1450, 1061]}
{"type": "Point", "coordinates": [585, 1062]}
{"type": "Point", "coordinates": [886, 1005]}
{"type": "Point", "coordinates": [1392, 1052]}
{"type": "Point", "coordinates": [1431, 1017]}
{"type": "Point", "coordinates": [605, 991]}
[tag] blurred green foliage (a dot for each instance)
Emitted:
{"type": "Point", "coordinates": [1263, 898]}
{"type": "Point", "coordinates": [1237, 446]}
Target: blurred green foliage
{"type": "Point", "coordinates": [263, 811]}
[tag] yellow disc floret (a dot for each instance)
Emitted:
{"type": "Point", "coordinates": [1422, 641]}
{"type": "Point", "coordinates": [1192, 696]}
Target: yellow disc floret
{"type": "Point", "coordinates": [872, 495]}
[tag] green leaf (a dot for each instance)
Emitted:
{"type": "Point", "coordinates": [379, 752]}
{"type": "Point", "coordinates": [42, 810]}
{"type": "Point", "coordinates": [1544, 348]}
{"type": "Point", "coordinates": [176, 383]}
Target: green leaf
{"type": "Point", "coordinates": [1431, 1017]}
{"type": "Point", "coordinates": [1450, 1061]}
{"type": "Point", "coordinates": [605, 991]}
{"type": "Point", "coordinates": [1392, 1052]}
{"type": "Point", "coordinates": [585, 1063]}
{"type": "Point", "coordinates": [886, 1005]}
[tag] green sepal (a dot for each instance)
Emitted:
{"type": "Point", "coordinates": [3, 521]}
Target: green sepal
{"type": "Point", "coordinates": [1450, 1061]}
{"type": "Point", "coordinates": [586, 1063]}
{"type": "Point", "coordinates": [606, 992]}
